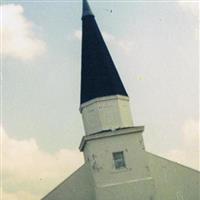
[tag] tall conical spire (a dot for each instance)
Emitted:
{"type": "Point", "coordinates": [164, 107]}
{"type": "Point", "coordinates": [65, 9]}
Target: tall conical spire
{"type": "Point", "coordinates": [86, 9]}
{"type": "Point", "coordinates": [99, 77]}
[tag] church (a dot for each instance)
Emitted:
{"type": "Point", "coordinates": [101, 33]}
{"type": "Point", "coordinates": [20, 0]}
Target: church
{"type": "Point", "coordinates": [117, 166]}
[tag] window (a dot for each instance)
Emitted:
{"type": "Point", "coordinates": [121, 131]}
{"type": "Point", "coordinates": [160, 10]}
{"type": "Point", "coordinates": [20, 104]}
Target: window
{"type": "Point", "coordinates": [119, 160]}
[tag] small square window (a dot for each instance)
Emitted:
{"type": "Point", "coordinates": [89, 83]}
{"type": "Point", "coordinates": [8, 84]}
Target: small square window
{"type": "Point", "coordinates": [119, 160]}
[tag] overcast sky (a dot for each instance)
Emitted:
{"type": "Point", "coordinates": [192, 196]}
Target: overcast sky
{"type": "Point", "coordinates": [155, 48]}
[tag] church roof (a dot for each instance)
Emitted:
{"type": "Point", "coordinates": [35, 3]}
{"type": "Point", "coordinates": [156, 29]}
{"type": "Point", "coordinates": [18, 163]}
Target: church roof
{"type": "Point", "coordinates": [99, 77]}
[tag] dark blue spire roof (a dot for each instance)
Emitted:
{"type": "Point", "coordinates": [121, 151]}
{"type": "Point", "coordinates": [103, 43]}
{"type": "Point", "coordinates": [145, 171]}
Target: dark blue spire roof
{"type": "Point", "coordinates": [86, 9]}
{"type": "Point", "coordinates": [99, 77]}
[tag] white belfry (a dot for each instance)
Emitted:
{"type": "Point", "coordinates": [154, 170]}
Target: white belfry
{"type": "Point", "coordinates": [106, 113]}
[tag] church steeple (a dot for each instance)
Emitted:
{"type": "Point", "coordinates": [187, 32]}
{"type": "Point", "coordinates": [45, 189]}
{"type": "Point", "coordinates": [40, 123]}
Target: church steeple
{"type": "Point", "coordinates": [104, 100]}
{"type": "Point", "coordinates": [111, 138]}
{"type": "Point", "coordinates": [99, 77]}
{"type": "Point", "coordinates": [86, 9]}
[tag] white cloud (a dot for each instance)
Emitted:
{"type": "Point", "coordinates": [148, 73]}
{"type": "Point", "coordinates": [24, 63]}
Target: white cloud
{"type": "Point", "coordinates": [189, 7]}
{"type": "Point", "coordinates": [29, 172]}
{"type": "Point", "coordinates": [78, 34]}
{"type": "Point", "coordinates": [19, 39]}
{"type": "Point", "coordinates": [124, 45]}
{"type": "Point", "coordinates": [109, 37]}
{"type": "Point", "coordinates": [188, 152]}
{"type": "Point", "coordinates": [191, 133]}
{"type": "Point", "coordinates": [19, 195]}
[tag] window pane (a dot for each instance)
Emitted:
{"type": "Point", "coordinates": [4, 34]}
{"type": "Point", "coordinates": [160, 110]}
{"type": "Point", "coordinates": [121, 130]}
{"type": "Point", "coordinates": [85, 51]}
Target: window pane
{"type": "Point", "coordinates": [119, 160]}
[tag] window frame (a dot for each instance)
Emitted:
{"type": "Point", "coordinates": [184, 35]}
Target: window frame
{"type": "Point", "coordinates": [119, 163]}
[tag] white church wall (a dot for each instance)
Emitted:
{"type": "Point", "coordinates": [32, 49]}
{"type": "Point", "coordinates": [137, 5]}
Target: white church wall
{"type": "Point", "coordinates": [141, 190]}
{"type": "Point", "coordinates": [79, 186]}
{"type": "Point", "coordinates": [112, 183]}
{"type": "Point", "coordinates": [174, 181]}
